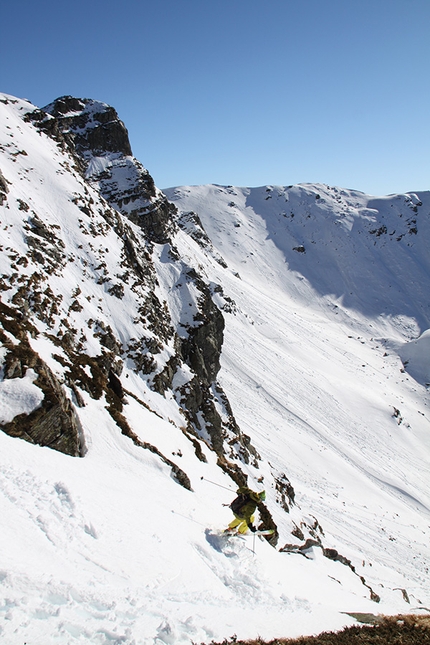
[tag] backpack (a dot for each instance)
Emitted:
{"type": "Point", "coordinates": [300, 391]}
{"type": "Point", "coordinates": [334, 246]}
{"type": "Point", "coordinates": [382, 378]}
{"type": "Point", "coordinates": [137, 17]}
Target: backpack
{"type": "Point", "coordinates": [237, 504]}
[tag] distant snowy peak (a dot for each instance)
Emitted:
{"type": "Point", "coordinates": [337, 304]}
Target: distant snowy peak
{"type": "Point", "coordinates": [366, 253]}
{"type": "Point", "coordinates": [307, 201]}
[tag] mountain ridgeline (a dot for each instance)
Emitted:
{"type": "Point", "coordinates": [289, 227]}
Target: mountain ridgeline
{"type": "Point", "coordinates": [115, 190]}
{"type": "Point", "coordinates": [115, 293]}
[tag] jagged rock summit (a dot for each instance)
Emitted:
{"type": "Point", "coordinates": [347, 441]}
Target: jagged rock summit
{"type": "Point", "coordinates": [95, 126]}
{"type": "Point", "coordinates": [103, 147]}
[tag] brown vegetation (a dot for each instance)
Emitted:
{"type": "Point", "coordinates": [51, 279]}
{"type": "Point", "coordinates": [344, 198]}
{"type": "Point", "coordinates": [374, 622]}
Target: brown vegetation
{"type": "Point", "coordinates": [383, 630]}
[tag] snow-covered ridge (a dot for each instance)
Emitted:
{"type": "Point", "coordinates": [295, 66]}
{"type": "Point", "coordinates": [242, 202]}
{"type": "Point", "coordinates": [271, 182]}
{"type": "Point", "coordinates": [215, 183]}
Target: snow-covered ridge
{"type": "Point", "coordinates": [320, 290]}
{"type": "Point", "coordinates": [360, 250]}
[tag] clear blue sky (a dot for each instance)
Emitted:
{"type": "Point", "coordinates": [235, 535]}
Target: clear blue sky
{"type": "Point", "coordinates": [241, 92]}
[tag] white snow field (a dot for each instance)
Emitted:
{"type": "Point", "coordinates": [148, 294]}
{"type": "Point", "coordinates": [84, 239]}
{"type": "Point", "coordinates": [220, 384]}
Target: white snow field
{"type": "Point", "coordinates": [324, 292]}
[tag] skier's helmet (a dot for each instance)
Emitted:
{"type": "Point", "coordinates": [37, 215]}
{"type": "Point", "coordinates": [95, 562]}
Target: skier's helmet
{"type": "Point", "coordinates": [262, 495]}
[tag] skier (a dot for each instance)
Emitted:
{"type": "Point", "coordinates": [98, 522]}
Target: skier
{"type": "Point", "coordinates": [243, 508]}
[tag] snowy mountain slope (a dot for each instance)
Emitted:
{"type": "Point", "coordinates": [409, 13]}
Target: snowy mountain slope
{"type": "Point", "coordinates": [110, 319]}
{"type": "Point", "coordinates": [322, 377]}
{"type": "Point", "coordinates": [369, 253]}
{"type": "Point", "coordinates": [294, 323]}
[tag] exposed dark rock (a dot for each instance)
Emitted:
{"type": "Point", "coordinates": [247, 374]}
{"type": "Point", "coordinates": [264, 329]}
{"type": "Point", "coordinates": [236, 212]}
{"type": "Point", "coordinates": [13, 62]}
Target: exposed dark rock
{"type": "Point", "coordinates": [202, 348]}
{"type": "Point", "coordinates": [163, 380]}
{"type": "Point", "coordinates": [156, 318]}
{"type": "Point", "coordinates": [197, 446]}
{"type": "Point", "coordinates": [115, 385]}
{"type": "Point", "coordinates": [108, 339]}
{"type": "Point", "coordinates": [382, 230]}
{"type": "Point", "coordinates": [22, 205]}
{"type": "Point", "coordinates": [201, 397]}
{"type": "Point", "coordinates": [308, 544]}
{"type": "Point", "coordinates": [267, 522]}
{"type": "Point", "coordinates": [297, 532]}
{"type": "Point", "coordinates": [115, 410]}
{"type": "Point", "coordinates": [97, 131]}
{"type": "Point", "coordinates": [199, 406]}
{"type": "Point", "coordinates": [157, 220]}
{"type": "Point", "coordinates": [299, 249]}
{"type": "Point", "coordinates": [197, 399]}
{"type": "Point", "coordinates": [405, 594]}
{"type": "Point", "coordinates": [331, 554]}
{"type": "Point", "coordinates": [191, 223]}
{"type": "Point", "coordinates": [285, 491]}
{"type": "Point", "coordinates": [98, 144]}
{"type": "Point", "coordinates": [4, 188]}
{"type": "Point", "coordinates": [95, 126]}
{"type": "Point", "coordinates": [233, 470]}
{"type": "Point", "coordinates": [138, 260]}
{"type": "Point", "coordinates": [54, 423]}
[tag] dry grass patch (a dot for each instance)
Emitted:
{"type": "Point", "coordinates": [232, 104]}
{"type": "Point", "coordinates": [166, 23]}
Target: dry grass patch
{"type": "Point", "coordinates": [378, 630]}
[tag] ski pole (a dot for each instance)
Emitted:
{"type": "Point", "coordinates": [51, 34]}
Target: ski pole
{"type": "Point", "coordinates": [215, 484]}
{"type": "Point", "coordinates": [187, 518]}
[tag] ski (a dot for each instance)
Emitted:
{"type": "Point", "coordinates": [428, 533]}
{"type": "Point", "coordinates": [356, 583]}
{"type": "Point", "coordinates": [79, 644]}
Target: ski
{"type": "Point", "coordinates": [263, 532]}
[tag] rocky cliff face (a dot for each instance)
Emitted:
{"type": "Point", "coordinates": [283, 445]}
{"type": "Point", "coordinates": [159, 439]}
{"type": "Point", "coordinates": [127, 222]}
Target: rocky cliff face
{"type": "Point", "coordinates": [117, 211]}
{"type": "Point", "coordinates": [54, 423]}
{"type": "Point", "coordinates": [101, 141]}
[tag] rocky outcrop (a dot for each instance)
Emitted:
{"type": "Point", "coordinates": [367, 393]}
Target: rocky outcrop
{"type": "Point", "coordinates": [285, 493]}
{"type": "Point", "coordinates": [4, 189]}
{"type": "Point", "coordinates": [315, 541]}
{"type": "Point", "coordinates": [54, 423]}
{"type": "Point", "coordinates": [185, 359]}
{"type": "Point", "coordinates": [95, 126]}
{"type": "Point", "coordinates": [101, 140]}
{"type": "Point", "coordinates": [201, 350]}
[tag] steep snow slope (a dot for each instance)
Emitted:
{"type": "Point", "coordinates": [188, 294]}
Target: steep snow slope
{"type": "Point", "coordinates": [368, 254]}
{"type": "Point", "coordinates": [321, 304]}
{"type": "Point", "coordinates": [110, 548]}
